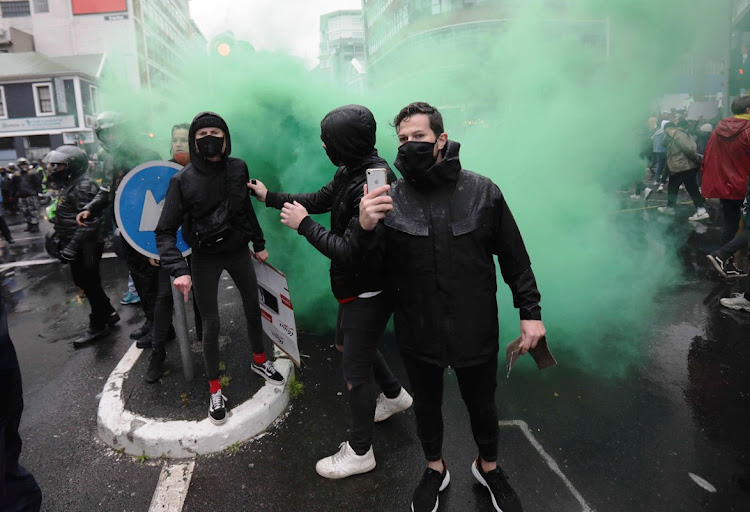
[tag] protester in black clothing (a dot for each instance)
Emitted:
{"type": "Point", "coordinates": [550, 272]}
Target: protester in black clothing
{"type": "Point", "coordinates": [25, 187]}
{"type": "Point", "coordinates": [348, 135]}
{"type": "Point", "coordinates": [442, 227]}
{"type": "Point", "coordinates": [164, 306]}
{"type": "Point", "coordinates": [19, 492]}
{"type": "Point", "coordinates": [3, 199]}
{"type": "Point", "coordinates": [80, 246]}
{"type": "Point", "coordinates": [111, 130]}
{"type": "Point", "coordinates": [210, 200]}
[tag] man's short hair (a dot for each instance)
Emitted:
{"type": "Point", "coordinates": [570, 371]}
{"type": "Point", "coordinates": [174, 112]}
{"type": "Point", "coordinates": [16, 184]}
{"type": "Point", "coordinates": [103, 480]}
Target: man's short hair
{"type": "Point", "coordinates": [420, 107]}
{"type": "Point", "coordinates": [740, 105]}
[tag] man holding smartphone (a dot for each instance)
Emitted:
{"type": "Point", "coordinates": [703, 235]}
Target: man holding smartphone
{"type": "Point", "coordinates": [443, 225]}
{"type": "Point", "coordinates": [348, 135]}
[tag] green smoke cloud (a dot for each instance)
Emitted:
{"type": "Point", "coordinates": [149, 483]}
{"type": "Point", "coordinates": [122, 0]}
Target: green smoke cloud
{"type": "Point", "coordinates": [546, 114]}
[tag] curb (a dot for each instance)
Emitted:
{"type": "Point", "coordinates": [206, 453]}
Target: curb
{"type": "Point", "coordinates": [138, 435]}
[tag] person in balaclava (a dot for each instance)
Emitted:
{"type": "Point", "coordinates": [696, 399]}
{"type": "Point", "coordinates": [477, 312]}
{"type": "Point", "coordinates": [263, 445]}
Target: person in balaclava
{"type": "Point", "coordinates": [443, 226]}
{"type": "Point", "coordinates": [210, 200]}
{"type": "Point", "coordinates": [124, 154]}
{"type": "Point", "coordinates": [80, 246]}
{"type": "Point", "coordinates": [26, 187]}
{"type": "Point", "coordinates": [348, 135]}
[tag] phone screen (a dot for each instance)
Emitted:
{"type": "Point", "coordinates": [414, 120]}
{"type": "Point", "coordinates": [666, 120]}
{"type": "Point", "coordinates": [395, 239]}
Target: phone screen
{"type": "Point", "coordinates": [376, 178]}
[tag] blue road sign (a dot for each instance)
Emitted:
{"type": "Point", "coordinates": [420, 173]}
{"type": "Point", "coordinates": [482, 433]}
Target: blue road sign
{"type": "Point", "coordinates": [138, 203]}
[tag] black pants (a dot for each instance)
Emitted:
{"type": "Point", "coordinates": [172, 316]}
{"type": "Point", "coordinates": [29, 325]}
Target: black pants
{"type": "Point", "coordinates": [691, 185]}
{"type": "Point", "coordinates": [732, 210]}
{"type": "Point", "coordinates": [477, 384]}
{"type": "Point", "coordinates": [85, 271]}
{"type": "Point", "coordinates": [4, 229]}
{"type": "Point", "coordinates": [359, 326]}
{"type": "Point", "coordinates": [163, 311]}
{"type": "Point", "coordinates": [19, 491]}
{"type": "Point", "coordinates": [206, 273]}
{"type": "Point", "coordinates": [145, 277]}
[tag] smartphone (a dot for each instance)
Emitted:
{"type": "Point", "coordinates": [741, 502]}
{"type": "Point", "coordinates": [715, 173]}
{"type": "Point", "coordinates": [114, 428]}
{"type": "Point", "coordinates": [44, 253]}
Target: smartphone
{"type": "Point", "coordinates": [376, 178]}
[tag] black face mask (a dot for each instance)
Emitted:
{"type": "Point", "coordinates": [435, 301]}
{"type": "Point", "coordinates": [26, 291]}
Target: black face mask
{"type": "Point", "coordinates": [210, 146]}
{"type": "Point", "coordinates": [334, 157]}
{"type": "Point", "coordinates": [414, 160]}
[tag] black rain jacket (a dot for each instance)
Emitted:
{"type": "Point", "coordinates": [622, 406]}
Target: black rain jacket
{"type": "Point", "coordinates": [440, 241]}
{"type": "Point", "coordinates": [349, 135]}
{"type": "Point", "coordinates": [72, 200]}
{"type": "Point", "coordinates": [198, 190]}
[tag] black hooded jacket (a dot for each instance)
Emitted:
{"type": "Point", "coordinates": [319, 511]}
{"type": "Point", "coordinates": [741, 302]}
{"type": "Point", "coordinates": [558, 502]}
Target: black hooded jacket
{"type": "Point", "coordinates": [197, 191]}
{"type": "Point", "coordinates": [440, 240]}
{"type": "Point", "coordinates": [349, 135]}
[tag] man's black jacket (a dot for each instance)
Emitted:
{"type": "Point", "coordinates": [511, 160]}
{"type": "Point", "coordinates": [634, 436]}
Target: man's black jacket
{"type": "Point", "coordinates": [440, 240]}
{"type": "Point", "coordinates": [73, 198]}
{"type": "Point", "coordinates": [25, 184]}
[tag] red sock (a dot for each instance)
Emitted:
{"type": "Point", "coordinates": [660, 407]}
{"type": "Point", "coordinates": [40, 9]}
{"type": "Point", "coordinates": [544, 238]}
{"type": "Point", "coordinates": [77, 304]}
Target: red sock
{"type": "Point", "coordinates": [214, 386]}
{"type": "Point", "coordinates": [259, 358]}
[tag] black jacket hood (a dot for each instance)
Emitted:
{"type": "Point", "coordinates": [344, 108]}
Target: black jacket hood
{"type": "Point", "coordinates": [349, 134]}
{"type": "Point", "coordinates": [204, 120]}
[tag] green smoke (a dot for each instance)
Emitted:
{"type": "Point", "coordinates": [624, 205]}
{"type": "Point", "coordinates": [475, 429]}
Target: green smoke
{"type": "Point", "coordinates": [538, 107]}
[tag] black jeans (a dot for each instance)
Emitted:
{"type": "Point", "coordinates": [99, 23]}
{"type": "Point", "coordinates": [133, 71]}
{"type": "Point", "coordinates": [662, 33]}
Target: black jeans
{"type": "Point", "coordinates": [206, 273]}
{"type": "Point", "coordinates": [691, 185]}
{"type": "Point", "coordinates": [145, 277]}
{"type": "Point", "coordinates": [163, 311]}
{"type": "Point", "coordinates": [359, 326]}
{"type": "Point", "coordinates": [477, 384]}
{"type": "Point", "coordinates": [85, 271]}
{"type": "Point", "coordinates": [732, 210]}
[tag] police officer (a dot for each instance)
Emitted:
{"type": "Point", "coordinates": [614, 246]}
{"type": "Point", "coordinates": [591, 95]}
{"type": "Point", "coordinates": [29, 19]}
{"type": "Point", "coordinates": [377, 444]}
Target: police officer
{"type": "Point", "coordinates": [80, 246]}
{"type": "Point", "coordinates": [26, 187]}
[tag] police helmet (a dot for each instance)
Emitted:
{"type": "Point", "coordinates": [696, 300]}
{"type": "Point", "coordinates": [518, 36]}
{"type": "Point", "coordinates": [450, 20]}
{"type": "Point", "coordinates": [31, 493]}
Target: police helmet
{"type": "Point", "coordinates": [75, 159]}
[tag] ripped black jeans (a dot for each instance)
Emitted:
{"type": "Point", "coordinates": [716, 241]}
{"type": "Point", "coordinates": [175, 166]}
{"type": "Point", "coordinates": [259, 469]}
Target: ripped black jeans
{"type": "Point", "coordinates": [359, 326]}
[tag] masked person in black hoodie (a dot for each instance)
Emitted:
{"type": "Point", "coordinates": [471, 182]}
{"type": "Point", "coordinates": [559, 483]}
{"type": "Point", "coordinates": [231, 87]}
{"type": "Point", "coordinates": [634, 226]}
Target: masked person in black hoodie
{"type": "Point", "coordinates": [210, 200]}
{"type": "Point", "coordinates": [348, 135]}
{"type": "Point", "coordinates": [443, 225]}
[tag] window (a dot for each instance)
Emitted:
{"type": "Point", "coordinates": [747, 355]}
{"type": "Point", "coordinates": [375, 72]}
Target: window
{"type": "Point", "coordinates": [3, 108]}
{"type": "Point", "coordinates": [43, 102]}
{"type": "Point", "coordinates": [94, 98]}
{"type": "Point", "coordinates": [15, 9]}
{"type": "Point", "coordinates": [41, 6]}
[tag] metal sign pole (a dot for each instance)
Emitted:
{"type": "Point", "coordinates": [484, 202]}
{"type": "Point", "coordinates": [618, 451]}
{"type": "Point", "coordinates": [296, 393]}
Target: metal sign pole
{"type": "Point", "coordinates": [179, 321]}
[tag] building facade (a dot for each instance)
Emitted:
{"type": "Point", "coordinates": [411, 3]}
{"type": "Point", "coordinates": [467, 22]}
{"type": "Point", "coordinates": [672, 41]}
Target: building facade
{"type": "Point", "coordinates": [46, 102]}
{"type": "Point", "coordinates": [142, 38]}
{"type": "Point", "coordinates": [342, 46]}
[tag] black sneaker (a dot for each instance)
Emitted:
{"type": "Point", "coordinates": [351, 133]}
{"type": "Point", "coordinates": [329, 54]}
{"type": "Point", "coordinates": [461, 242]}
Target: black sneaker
{"type": "Point", "coordinates": [433, 482]}
{"type": "Point", "coordinates": [217, 411]}
{"type": "Point", "coordinates": [144, 342]}
{"type": "Point", "coordinates": [91, 334]}
{"type": "Point", "coordinates": [155, 366]}
{"type": "Point", "coordinates": [268, 372]}
{"type": "Point", "coordinates": [733, 270]}
{"type": "Point", "coordinates": [113, 318]}
{"type": "Point", "coordinates": [504, 498]}
{"type": "Point", "coordinates": [141, 331]}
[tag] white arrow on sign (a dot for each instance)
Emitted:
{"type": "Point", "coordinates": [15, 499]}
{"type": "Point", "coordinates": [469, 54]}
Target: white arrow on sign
{"type": "Point", "coordinates": [151, 212]}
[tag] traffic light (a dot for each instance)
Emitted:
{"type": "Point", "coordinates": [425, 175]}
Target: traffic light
{"type": "Point", "coordinates": [222, 44]}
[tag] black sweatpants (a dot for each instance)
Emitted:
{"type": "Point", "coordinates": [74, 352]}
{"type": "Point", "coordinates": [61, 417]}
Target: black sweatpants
{"type": "Point", "coordinates": [86, 275]}
{"type": "Point", "coordinates": [732, 210]}
{"type": "Point", "coordinates": [691, 185]}
{"type": "Point", "coordinates": [359, 326]}
{"type": "Point", "coordinates": [206, 272]}
{"type": "Point", "coordinates": [477, 384]}
{"type": "Point", "coordinates": [145, 277]}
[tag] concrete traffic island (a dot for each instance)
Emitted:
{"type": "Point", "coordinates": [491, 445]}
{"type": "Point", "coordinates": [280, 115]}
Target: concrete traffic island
{"type": "Point", "coordinates": [137, 434]}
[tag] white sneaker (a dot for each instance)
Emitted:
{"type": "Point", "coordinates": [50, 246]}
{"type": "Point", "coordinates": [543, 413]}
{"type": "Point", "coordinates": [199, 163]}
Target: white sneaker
{"type": "Point", "coordinates": [700, 214]}
{"type": "Point", "coordinates": [661, 188]}
{"type": "Point", "coordinates": [387, 407]}
{"type": "Point", "coordinates": [666, 210]}
{"type": "Point", "coordinates": [646, 192]}
{"type": "Point", "coordinates": [738, 302]}
{"type": "Point", "coordinates": [634, 196]}
{"type": "Point", "coordinates": [345, 463]}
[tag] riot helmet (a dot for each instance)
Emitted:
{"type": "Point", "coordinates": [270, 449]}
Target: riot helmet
{"type": "Point", "coordinates": [108, 129]}
{"type": "Point", "coordinates": [68, 163]}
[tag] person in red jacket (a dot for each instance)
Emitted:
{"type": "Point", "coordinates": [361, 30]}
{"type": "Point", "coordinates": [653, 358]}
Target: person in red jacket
{"type": "Point", "coordinates": [725, 170]}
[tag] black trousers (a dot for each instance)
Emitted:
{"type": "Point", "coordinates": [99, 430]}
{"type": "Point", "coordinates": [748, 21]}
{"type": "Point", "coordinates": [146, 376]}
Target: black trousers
{"type": "Point", "coordinates": [477, 385]}
{"type": "Point", "coordinates": [85, 272]}
{"type": "Point", "coordinates": [4, 229]}
{"type": "Point", "coordinates": [691, 185]}
{"type": "Point", "coordinates": [163, 311]}
{"type": "Point", "coordinates": [732, 210]}
{"type": "Point", "coordinates": [19, 491]}
{"type": "Point", "coordinates": [145, 277]}
{"type": "Point", "coordinates": [206, 272]}
{"type": "Point", "coordinates": [359, 326]}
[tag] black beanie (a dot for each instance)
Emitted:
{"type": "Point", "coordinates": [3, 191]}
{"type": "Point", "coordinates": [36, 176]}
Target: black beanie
{"type": "Point", "coordinates": [209, 120]}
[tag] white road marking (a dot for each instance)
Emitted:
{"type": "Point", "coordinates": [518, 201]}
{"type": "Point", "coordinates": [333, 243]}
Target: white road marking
{"type": "Point", "coordinates": [549, 460]}
{"type": "Point", "coordinates": [32, 263]}
{"type": "Point", "coordinates": [702, 482]}
{"type": "Point", "coordinates": [172, 488]}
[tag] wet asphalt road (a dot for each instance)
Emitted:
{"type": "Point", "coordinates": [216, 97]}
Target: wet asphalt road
{"type": "Point", "coordinates": [621, 444]}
